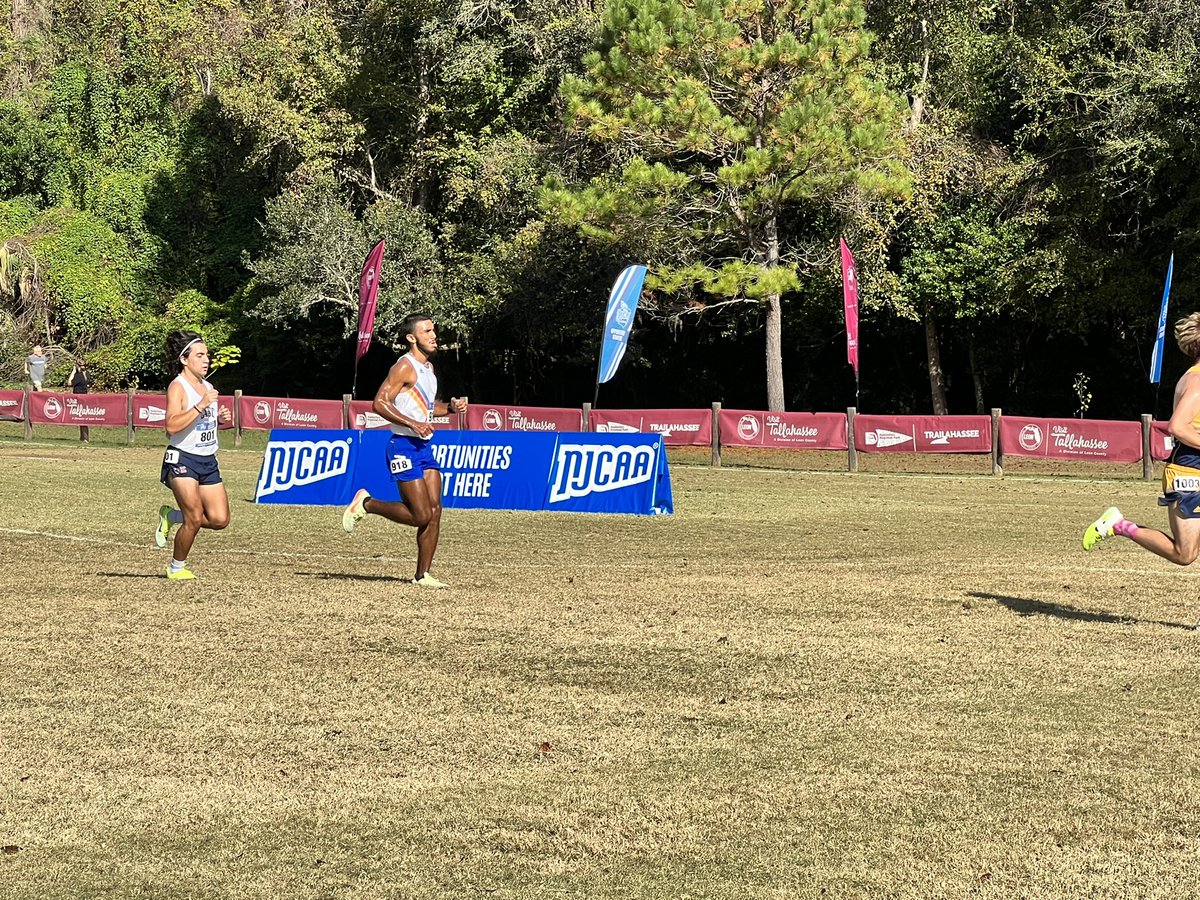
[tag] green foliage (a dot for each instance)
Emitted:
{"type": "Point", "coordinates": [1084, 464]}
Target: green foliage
{"type": "Point", "coordinates": [315, 248]}
{"type": "Point", "coordinates": [725, 117]}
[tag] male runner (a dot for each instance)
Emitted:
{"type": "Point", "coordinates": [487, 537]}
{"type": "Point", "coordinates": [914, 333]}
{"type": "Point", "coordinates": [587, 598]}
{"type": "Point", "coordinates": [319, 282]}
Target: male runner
{"type": "Point", "coordinates": [407, 399]}
{"type": "Point", "coordinates": [189, 466]}
{"type": "Point", "coordinates": [1181, 477]}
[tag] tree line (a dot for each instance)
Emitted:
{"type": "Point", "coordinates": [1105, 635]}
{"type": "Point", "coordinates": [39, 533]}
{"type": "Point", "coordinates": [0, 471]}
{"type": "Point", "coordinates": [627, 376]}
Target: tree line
{"type": "Point", "coordinates": [1012, 176]}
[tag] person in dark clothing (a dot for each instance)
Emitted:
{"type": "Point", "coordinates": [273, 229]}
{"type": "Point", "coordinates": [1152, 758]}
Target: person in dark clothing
{"type": "Point", "coordinates": [79, 381]}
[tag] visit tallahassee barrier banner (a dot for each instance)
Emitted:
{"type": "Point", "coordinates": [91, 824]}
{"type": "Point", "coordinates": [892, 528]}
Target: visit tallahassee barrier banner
{"type": "Point", "coordinates": [12, 406]}
{"type": "Point", "coordinates": [923, 434]}
{"type": "Point", "coordinates": [795, 430]}
{"type": "Point", "coordinates": [1090, 439]}
{"type": "Point", "coordinates": [484, 417]}
{"type": "Point", "coordinates": [271, 412]}
{"type": "Point", "coordinates": [571, 472]}
{"type": "Point", "coordinates": [78, 409]}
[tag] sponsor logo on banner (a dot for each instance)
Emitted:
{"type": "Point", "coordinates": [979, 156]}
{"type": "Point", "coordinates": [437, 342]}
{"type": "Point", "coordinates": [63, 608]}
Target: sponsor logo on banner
{"type": "Point", "coordinates": [290, 464]}
{"type": "Point", "coordinates": [6, 404]}
{"type": "Point", "coordinates": [492, 420]}
{"type": "Point", "coordinates": [943, 438]}
{"type": "Point", "coordinates": [777, 428]}
{"type": "Point", "coordinates": [1030, 437]}
{"type": "Point", "coordinates": [81, 410]}
{"type": "Point", "coordinates": [665, 428]}
{"type": "Point", "coordinates": [882, 438]}
{"type": "Point", "coordinates": [262, 412]}
{"type": "Point", "coordinates": [624, 314]}
{"type": "Point", "coordinates": [747, 428]}
{"type": "Point", "coordinates": [518, 422]}
{"type": "Point", "coordinates": [369, 420]}
{"type": "Point", "coordinates": [617, 428]}
{"type": "Point", "coordinates": [152, 414]}
{"type": "Point", "coordinates": [52, 408]}
{"type": "Point", "coordinates": [1064, 439]}
{"type": "Point", "coordinates": [287, 415]}
{"type": "Point", "coordinates": [585, 469]}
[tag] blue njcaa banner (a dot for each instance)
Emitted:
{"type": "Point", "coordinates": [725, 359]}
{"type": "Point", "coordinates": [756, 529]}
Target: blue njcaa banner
{"type": "Point", "coordinates": [308, 466]}
{"type": "Point", "coordinates": [618, 320]}
{"type": "Point", "coordinates": [575, 472]}
{"type": "Point", "coordinates": [1156, 358]}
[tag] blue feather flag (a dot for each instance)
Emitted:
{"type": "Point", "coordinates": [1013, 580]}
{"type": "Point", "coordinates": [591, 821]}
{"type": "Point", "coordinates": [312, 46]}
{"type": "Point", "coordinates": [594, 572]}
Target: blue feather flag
{"type": "Point", "coordinates": [618, 320]}
{"type": "Point", "coordinates": [1156, 358]}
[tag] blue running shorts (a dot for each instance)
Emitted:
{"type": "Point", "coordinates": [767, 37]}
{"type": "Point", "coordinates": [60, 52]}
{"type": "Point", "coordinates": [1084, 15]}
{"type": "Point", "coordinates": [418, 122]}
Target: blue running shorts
{"type": "Point", "coordinates": [409, 458]}
{"type": "Point", "coordinates": [180, 464]}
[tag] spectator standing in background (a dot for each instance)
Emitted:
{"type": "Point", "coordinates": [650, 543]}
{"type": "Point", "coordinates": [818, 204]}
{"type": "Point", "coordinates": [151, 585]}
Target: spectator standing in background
{"type": "Point", "coordinates": [35, 367]}
{"type": "Point", "coordinates": [79, 381]}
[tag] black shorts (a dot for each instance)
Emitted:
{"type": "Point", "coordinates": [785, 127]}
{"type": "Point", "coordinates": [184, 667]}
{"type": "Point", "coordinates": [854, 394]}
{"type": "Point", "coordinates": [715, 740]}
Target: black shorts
{"type": "Point", "coordinates": [181, 464]}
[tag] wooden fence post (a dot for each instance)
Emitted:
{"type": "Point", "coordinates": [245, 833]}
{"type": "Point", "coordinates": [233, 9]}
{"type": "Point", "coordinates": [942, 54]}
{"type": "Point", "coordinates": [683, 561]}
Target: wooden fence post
{"type": "Point", "coordinates": [851, 450]}
{"type": "Point", "coordinates": [346, 410]}
{"type": "Point", "coordinates": [237, 418]}
{"type": "Point", "coordinates": [28, 414]}
{"type": "Point", "coordinates": [716, 435]}
{"type": "Point", "coordinates": [1147, 457]}
{"type": "Point", "coordinates": [997, 450]}
{"type": "Point", "coordinates": [129, 416]}
{"type": "Point", "coordinates": [586, 422]}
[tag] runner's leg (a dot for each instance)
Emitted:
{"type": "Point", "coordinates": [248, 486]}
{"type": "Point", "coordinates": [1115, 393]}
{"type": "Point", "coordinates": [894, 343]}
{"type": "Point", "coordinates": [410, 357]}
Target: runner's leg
{"type": "Point", "coordinates": [1182, 549]}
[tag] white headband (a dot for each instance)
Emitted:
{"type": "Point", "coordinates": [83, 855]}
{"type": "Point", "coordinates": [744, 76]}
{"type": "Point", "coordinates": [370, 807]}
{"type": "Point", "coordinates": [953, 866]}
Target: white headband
{"type": "Point", "coordinates": [187, 347]}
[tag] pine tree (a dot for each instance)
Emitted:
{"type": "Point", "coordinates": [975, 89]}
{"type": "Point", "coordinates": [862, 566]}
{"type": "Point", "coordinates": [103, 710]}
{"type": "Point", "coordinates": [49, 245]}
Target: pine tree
{"type": "Point", "coordinates": [730, 127]}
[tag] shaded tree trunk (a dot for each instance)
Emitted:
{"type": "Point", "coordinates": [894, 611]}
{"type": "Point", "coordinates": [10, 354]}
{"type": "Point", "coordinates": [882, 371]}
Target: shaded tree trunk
{"type": "Point", "coordinates": [774, 349]}
{"type": "Point", "coordinates": [937, 388]}
{"type": "Point", "coordinates": [976, 376]}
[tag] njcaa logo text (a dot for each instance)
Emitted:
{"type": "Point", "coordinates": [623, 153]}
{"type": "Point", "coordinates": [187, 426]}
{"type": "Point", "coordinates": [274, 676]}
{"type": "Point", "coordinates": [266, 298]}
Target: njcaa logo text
{"type": "Point", "coordinates": [289, 464]}
{"type": "Point", "coordinates": [595, 468]}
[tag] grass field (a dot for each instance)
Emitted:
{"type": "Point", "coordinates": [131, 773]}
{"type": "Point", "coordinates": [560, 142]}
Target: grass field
{"type": "Point", "coordinates": [803, 684]}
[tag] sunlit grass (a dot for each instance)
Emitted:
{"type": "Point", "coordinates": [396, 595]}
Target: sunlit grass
{"type": "Point", "coordinates": [804, 684]}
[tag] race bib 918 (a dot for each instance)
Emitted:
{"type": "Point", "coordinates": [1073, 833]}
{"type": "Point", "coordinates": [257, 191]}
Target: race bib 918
{"type": "Point", "coordinates": [400, 464]}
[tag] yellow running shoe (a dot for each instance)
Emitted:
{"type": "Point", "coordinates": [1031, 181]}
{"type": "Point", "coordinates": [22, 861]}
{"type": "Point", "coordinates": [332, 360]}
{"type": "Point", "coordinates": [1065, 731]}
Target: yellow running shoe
{"type": "Point", "coordinates": [354, 513]}
{"type": "Point", "coordinates": [429, 581]}
{"type": "Point", "coordinates": [164, 527]}
{"type": "Point", "coordinates": [181, 575]}
{"type": "Point", "coordinates": [1102, 528]}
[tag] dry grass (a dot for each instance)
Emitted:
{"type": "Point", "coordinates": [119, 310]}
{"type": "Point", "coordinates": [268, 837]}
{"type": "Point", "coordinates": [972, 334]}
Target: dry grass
{"type": "Point", "coordinates": [801, 685]}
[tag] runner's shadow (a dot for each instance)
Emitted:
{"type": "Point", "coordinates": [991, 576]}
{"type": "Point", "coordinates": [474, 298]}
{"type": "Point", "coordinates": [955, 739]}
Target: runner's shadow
{"type": "Point", "coordinates": [1023, 606]}
{"type": "Point", "coordinates": [349, 576]}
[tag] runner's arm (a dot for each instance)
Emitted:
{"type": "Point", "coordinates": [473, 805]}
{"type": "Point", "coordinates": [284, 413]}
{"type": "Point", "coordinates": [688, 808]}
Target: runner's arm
{"type": "Point", "coordinates": [1187, 407]}
{"type": "Point", "coordinates": [179, 414]}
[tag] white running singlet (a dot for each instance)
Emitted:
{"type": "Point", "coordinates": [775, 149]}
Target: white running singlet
{"type": "Point", "coordinates": [199, 438]}
{"type": "Point", "coordinates": [417, 402]}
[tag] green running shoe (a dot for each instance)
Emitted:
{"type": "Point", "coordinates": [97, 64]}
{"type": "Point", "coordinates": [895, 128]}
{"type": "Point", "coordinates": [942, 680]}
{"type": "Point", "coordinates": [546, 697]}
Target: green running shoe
{"type": "Point", "coordinates": [164, 527]}
{"type": "Point", "coordinates": [1102, 528]}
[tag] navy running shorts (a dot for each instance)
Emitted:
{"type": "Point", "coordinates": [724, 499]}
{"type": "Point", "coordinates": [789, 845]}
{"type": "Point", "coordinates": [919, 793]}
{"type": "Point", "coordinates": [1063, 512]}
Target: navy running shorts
{"type": "Point", "coordinates": [180, 464]}
{"type": "Point", "coordinates": [1189, 502]}
{"type": "Point", "coordinates": [408, 458]}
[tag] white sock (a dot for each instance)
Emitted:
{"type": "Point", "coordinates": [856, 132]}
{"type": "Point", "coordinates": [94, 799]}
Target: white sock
{"type": "Point", "coordinates": [177, 566]}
